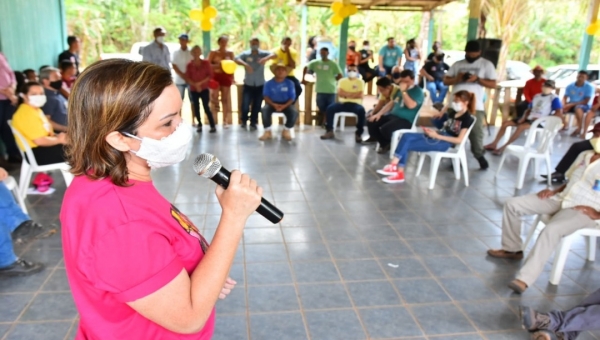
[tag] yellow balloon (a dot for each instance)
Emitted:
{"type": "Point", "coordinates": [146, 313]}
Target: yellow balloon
{"type": "Point", "coordinates": [336, 19]}
{"type": "Point", "coordinates": [353, 9]}
{"type": "Point", "coordinates": [228, 66]}
{"type": "Point", "coordinates": [336, 6]}
{"type": "Point", "coordinates": [210, 12]}
{"type": "Point", "coordinates": [196, 14]}
{"type": "Point", "coordinates": [206, 25]}
{"type": "Point", "coordinates": [593, 28]}
{"type": "Point", "coordinates": [344, 12]}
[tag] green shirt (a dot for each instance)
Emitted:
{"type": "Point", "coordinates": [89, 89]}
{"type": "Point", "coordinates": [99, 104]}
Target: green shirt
{"type": "Point", "coordinates": [400, 110]}
{"type": "Point", "coordinates": [326, 72]}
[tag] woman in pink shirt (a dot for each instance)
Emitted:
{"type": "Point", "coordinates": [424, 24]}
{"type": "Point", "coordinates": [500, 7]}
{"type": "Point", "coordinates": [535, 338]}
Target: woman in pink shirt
{"type": "Point", "coordinates": [197, 74]}
{"type": "Point", "coordinates": [138, 268]}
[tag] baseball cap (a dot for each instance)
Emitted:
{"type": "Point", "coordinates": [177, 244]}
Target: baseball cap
{"type": "Point", "coordinates": [549, 83]}
{"type": "Point", "coordinates": [184, 36]}
{"type": "Point", "coordinates": [596, 128]}
{"type": "Point", "coordinates": [472, 46]}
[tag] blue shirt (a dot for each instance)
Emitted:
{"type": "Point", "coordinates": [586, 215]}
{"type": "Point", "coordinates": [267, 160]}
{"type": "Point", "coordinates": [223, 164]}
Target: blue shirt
{"type": "Point", "coordinates": [576, 94]}
{"type": "Point", "coordinates": [391, 55]}
{"type": "Point", "coordinates": [55, 107]}
{"type": "Point", "coordinates": [257, 76]}
{"type": "Point", "coordinates": [279, 92]}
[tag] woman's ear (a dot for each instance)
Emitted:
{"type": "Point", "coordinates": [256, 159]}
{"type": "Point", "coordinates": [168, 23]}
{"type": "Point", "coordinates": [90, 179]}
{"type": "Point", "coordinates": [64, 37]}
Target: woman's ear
{"type": "Point", "coordinates": [118, 141]}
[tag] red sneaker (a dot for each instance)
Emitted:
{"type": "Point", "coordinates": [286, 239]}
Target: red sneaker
{"type": "Point", "coordinates": [398, 177]}
{"type": "Point", "coordinates": [388, 170]}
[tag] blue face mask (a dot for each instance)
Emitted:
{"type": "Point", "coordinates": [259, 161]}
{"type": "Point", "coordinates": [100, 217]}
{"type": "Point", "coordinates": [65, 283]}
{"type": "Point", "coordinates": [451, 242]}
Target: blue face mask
{"type": "Point", "coordinates": [254, 47]}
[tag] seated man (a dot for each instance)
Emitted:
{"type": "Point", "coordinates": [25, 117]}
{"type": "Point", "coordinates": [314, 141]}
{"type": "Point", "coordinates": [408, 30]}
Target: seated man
{"type": "Point", "coordinates": [543, 104]}
{"type": "Point", "coordinates": [396, 72]}
{"type": "Point", "coordinates": [390, 55]}
{"type": "Point", "coordinates": [558, 176]}
{"type": "Point", "coordinates": [55, 108]}
{"type": "Point", "coordinates": [532, 87]}
{"type": "Point", "coordinates": [592, 113]}
{"type": "Point", "coordinates": [366, 54]}
{"type": "Point", "coordinates": [563, 325]}
{"type": "Point", "coordinates": [18, 227]}
{"type": "Point", "coordinates": [68, 72]}
{"type": "Point", "coordinates": [403, 109]}
{"type": "Point", "coordinates": [434, 71]}
{"type": "Point", "coordinates": [573, 206]}
{"type": "Point", "coordinates": [279, 94]}
{"type": "Point", "coordinates": [578, 99]}
{"type": "Point", "coordinates": [350, 94]}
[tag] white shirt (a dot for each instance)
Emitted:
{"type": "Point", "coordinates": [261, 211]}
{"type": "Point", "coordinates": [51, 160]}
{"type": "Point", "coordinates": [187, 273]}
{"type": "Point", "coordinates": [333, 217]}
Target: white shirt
{"type": "Point", "coordinates": [482, 68]}
{"type": "Point", "coordinates": [155, 54]}
{"type": "Point", "coordinates": [181, 58]}
{"type": "Point", "coordinates": [582, 176]}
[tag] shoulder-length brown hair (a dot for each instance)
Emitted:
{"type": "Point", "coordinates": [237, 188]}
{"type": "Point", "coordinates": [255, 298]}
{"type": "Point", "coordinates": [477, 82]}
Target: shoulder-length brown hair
{"type": "Point", "coordinates": [468, 97]}
{"type": "Point", "coordinates": [110, 95]}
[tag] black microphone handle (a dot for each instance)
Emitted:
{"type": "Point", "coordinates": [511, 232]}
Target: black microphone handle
{"type": "Point", "coordinates": [266, 208]}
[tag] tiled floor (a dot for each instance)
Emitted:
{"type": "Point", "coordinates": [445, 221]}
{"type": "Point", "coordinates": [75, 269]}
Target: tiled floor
{"type": "Point", "coordinates": [354, 258]}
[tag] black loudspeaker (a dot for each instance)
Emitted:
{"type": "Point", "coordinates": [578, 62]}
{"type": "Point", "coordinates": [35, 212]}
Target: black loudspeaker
{"type": "Point", "coordinates": [490, 49]}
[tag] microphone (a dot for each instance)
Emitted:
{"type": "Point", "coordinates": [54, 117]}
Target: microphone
{"type": "Point", "coordinates": [209, 166]}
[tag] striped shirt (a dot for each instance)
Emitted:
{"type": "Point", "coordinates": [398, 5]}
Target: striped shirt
{"type": "Point", "coordinates": [582, 176]}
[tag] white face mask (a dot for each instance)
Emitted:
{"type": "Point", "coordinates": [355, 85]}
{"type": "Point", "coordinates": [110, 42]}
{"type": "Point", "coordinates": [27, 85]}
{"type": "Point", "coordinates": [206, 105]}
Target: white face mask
{"type": "Point", "coordinates": [546, 90]}
{"type": "Point", "coordinates": [352, 74]}
{"type": "Point", "coordinates": [366, 47]}
{"type": "Point", "coordinates": [458, 107]}
{"type": "Point", "coordinates": [167, 151]}
{"type": "Point", "coordinates": [160, 39]}
{"type": "Point", "coordinates": [37, 100]}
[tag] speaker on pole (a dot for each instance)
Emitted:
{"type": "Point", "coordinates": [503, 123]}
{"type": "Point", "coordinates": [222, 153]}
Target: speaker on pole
{"type": "Point", "coordinates": [490, 49]}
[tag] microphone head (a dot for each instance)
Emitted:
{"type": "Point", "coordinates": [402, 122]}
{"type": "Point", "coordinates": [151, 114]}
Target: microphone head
{"type": "Point", "coordinates": [207, 165]}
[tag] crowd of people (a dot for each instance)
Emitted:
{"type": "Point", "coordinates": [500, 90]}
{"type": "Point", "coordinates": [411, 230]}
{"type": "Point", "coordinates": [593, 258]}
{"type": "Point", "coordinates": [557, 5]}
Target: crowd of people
{"type": "Point", "coordinates": [36, 103]}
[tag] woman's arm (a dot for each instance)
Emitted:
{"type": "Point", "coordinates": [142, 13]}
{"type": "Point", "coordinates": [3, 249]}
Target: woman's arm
{"type": "Point", "coordinates": [50, 141]}
{"type": "Point", "coordinates": [454, 140]}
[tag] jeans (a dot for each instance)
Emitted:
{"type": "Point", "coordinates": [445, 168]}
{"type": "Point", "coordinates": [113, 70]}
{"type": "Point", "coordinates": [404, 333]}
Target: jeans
{"type": "Point", "coordinates": [324, 100]}
{"type": "Point", "coordinates": [386, 70]}
{"type": "Point", "coordinates": [435, 87]}
{"type": "Point", "coordinates": [583, 317]}
{"type": "Point", "coordinates": [357, 109]}
{"type": "Point", "coordinates": [297, 86]}
{"type": "Point", "coordinates": [290, 112]}
{"type": "Point", "coordinates": [420, 143]}
{"type": "Point", "coordinates": [571, 155]}
{"type": "Point", "coordinates": [182, 88]}
{"type": "Point", "coordinates": [251, 95]}
{"type": "Point", "coordinates": [205, 96]}
{"type": "Point", "coordinates": [6, 113]}
{"type": "Point", "coordinates": [383, 129]}
{"type": "Point", "coordinates": [11, 216]}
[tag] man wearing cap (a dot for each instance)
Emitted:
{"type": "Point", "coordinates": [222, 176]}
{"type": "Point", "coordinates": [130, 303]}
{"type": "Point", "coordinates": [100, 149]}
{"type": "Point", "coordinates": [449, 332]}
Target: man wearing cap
{"type": "Point", "coordinates": [543, 104]}
{"type": "Point", "coordinates": [279, 94]}
{"type": "Point", "coordinates": [474, 74]}
{"type": "Point", "coordinates": [573, 206]}
{"type": "Point", "coordinates": [180, 59]}
{"type": "Point", "coordinates": [157, 52]}
{"type": "Point", "coordinates": [253, 61]}
{"type": "Point", "coordinates": [558, 176]}
{"type": "Point", "coordinates": [532, 87]}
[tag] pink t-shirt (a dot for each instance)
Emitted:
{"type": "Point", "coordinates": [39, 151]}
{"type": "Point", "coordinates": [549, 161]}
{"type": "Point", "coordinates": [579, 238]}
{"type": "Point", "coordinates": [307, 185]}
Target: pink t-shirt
{"type": "Point", "coordinates": [121, 244]}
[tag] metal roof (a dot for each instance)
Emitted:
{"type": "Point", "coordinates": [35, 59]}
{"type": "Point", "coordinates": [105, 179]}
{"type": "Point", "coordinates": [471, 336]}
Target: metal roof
{"type": "Point", "coordinates": [385, 5]}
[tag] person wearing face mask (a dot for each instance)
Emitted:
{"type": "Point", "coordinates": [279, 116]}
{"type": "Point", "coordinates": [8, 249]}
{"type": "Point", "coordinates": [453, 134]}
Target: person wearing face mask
{"type": "Point", "coordinates": [55, 107]}
{"type": "Point", "coordinates": [328, 72]}
{"type": "Point", "coordinates": [350, 92]}
{"type": "Point", "coordinates": [288, 56]}
{"type": "Point", "coordinates": [67, 72]}
{"type": "Point", "coordinates": [352, 56]}
{"type": "Point", "coordinates": [573, 206]}
{"type": "Point", "coordinates": [215, 57]}
{"type": "Point", "coordinates": [436, 47]}
{"type": "Point", "coordinates": [157, 52]}
{"type": "Point", "coordinates": [396, 75]}
{"type": "Point", "coordinates": [452, 127]}
{"type": "Point", "coordinates": [412, 55]}
{"type": "Point", "coordinates": [542, 105]}
{"type": "Point", "coordinates": [198, 74]}
{"type": "Point", "coordinates": [30, 75]}
{"type": "Point", "coordinates": [434, 71]}
{"type": "Point", "coordinates": [406, 101]}
{"type": "Point", "coordinates": [474, 74]}
{"type": "Point", "coordinates": [31, 122]}
{"type": "Point", "coordinates": [253, 61]}
{"type": "Point", "coordinates": [143, 271]}
{"type": "Point", "coordinates": [366, 71]}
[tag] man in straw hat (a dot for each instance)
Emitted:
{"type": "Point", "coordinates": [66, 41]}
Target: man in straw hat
{"type": "Point", "coordinates": [279, 94]}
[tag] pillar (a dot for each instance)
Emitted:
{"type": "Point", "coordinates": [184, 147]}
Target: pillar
{"type": "Point", "coordinates": [586, 44]}
{"type": "Point", "coordinates": [303, 36]}
{"type": "Point", "coordinates": [205, 34]}
{"type": "Point", "coordinates": [474, 14]}
{"type": "Point", "coordinates": [430, 32]}
{"type": "Point", "coordinates": [343, 44]}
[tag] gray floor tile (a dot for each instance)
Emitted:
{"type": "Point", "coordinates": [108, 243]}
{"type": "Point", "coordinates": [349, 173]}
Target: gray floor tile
{"type": "Point", "coordinates": [13, 305]}
{"type": "Point", "coordinates": [407, 267]}
{"type": "Point", "coordinates": [234, 303]}
{"type": "Point", "coordinates": [390, 248]}
{"type": "Point", "coordinates": [302, 234]}
{"type": "Point", "coordinates": [230, 327]}
{"type": "Point", "coordinates": [308, 251]}
{"type": "Point", "coordinates": [24, 284]}
{"type": "Point", "coordinates": [323, 296]}
{"type": "Point", "coordinates": [353, 270]}
{"type": "Point", "coordinates": [373, 293]}
{"type": "Point", "coordinates": [263, 235]}
{"type": "Point", "coordinates": [429, 247]}
{"type": "Point", "coordinates": [322, 271]}
{"type": "Point", "coordinates": [467, 288]}
{"type": "Point", "coordinates": [50, 306]}
{"type": "Point", "coordinates": [491, 315]}
{"type": "Point", "coordinates": [48, 330]}
{"type": "Point", "coordinates": [446, 266]}
{"type": "Point", "coordinates": [442, 319]}
{"type": "Point", "coordinates": [268, 273]}
{"type": "Point", "coordinates": [345, 324]}
{"type": "Point", "coordinates": [409, 231]}
{"type": "Point", "coordinates": [284, 326]}
{"type": "Point", "coordinates": [272, 299]}
{"type": "Point", "coordinates": [421, 291]}
{"type": "Point", "coordinates": [457, 337]}
{"type": "Point", "coordinates": [514, 335]}
{"type": "Point", "coordinates": [265, 253]}
{"type": "Point", "coordinates": [341, 234]}
{"type": "Point", "coordinates": [350, 250]}
{"type": "Point", "coordinates": [394, 322]}
{"type": "Point", "coordinates": [57, 282]}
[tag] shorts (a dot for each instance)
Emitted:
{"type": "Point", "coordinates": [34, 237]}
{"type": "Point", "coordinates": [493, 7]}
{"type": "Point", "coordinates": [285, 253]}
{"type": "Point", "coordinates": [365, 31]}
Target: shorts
{"type": "Point", "coordinates": [224, 79]}
{"type": "Point", "coordinates": [584, 107]}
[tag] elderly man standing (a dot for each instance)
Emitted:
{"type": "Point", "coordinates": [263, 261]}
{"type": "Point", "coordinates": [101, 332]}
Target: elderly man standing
{"type": "Point", "coordinates": [56, 105]}
{"type": "Point", "coordinates": [8, 100]}
{"type": "Point", "coordinates": [573, 206]}
{"type": "Point", "coordinates": [157, 52]}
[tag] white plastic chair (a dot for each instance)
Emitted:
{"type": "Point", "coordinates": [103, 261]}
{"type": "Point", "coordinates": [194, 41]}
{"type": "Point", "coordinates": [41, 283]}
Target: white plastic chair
{"type": "Point", "coordinates": [277, 115]}
{"type": "Point", "coordinates": [11, 184]}
{"type": "Point", "coordinates": [561, 253]}
{"type": "Point", "coordinates": [30, 166]}
{"type": "Point", "coordinates": [396, 135]}
{"type": "Point", "coordinates": [341, 117]}
{"type": "Point", "coordinates": [457, 154]}
{"type": "Point", "coordinates": [527, 152]}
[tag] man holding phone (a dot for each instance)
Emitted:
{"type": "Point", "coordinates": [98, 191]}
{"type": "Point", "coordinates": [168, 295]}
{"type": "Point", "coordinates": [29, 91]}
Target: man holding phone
{"type": "Point", "coordinates": [473, 74]}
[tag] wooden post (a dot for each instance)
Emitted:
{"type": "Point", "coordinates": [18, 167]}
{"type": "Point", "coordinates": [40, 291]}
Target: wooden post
{"type": "Point", "coordinates": [308, 93]}
{"type": "Point", "coordinates": [474, 15]}
{"type": "Point", "coordinates": [343, 44]}
{"type": "Point", "coordinates": [586, 44]}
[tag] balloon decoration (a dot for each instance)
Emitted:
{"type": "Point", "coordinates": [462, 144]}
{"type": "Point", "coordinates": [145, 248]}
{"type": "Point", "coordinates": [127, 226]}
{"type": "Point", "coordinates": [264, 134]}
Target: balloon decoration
{"type": "Point", "coordinates": [228, 66]}
{"type": "Point", "coordinates": [204, 17]}
{"type": "Point", "coordinates": [342, 10]}
{"type": "Point", "coordinates": [593, 28]}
